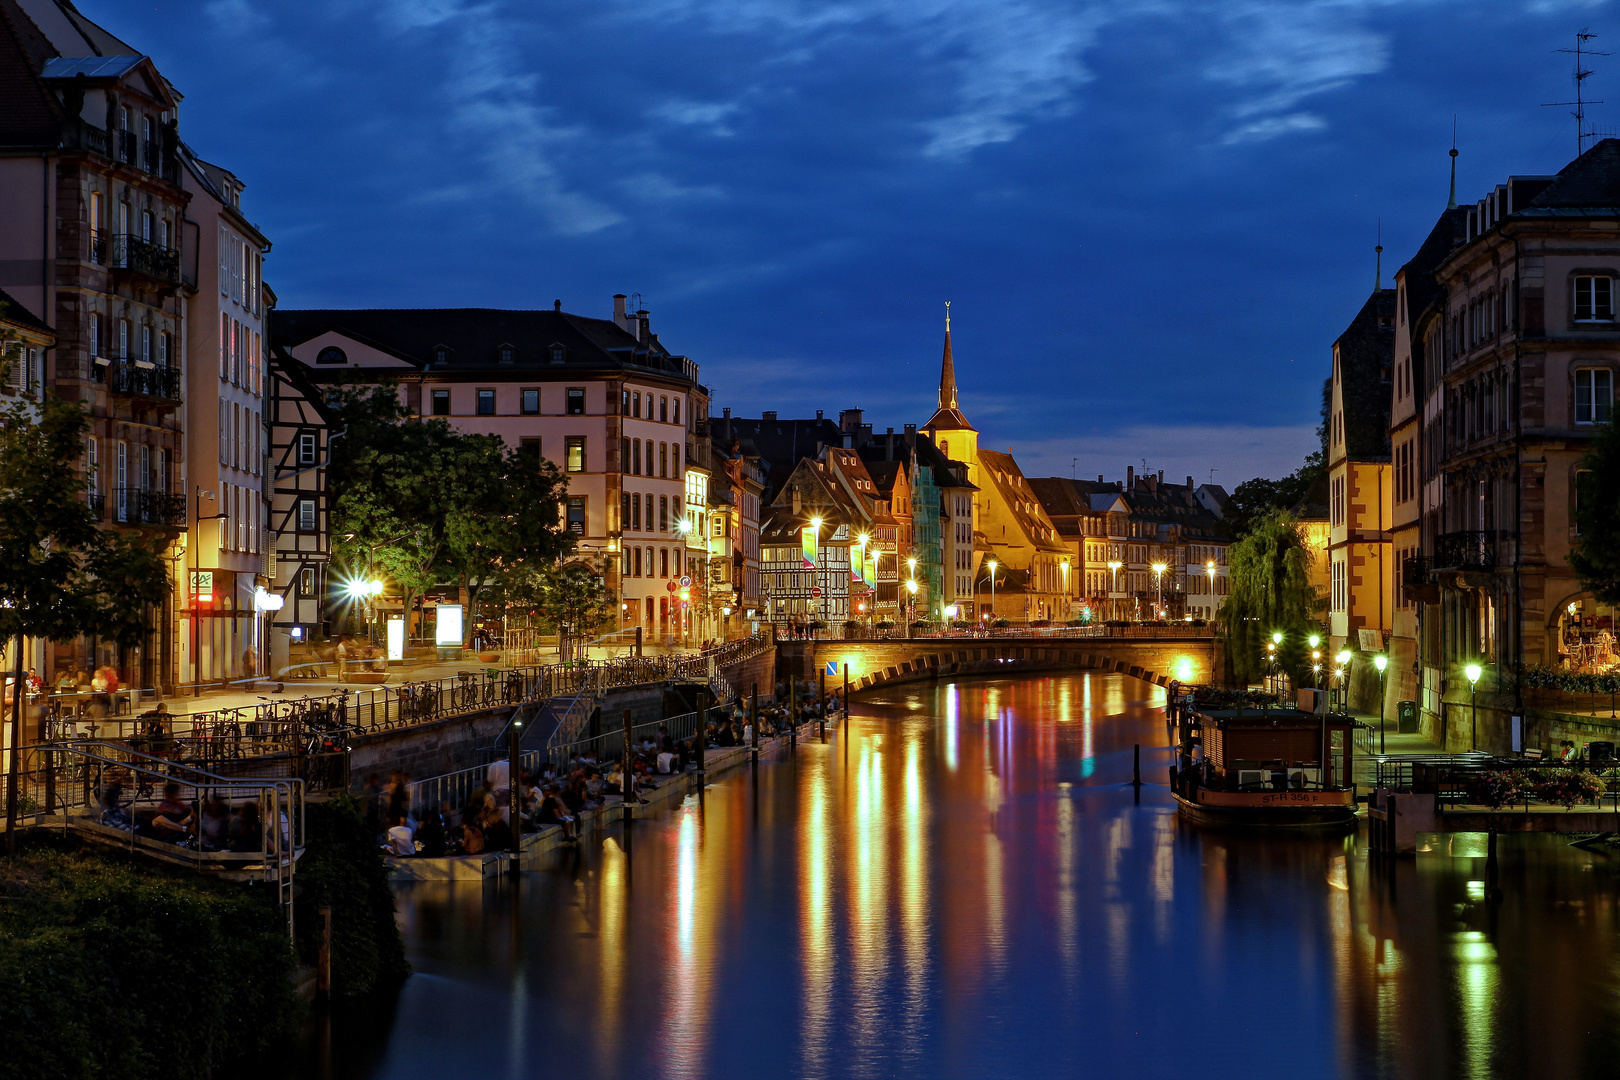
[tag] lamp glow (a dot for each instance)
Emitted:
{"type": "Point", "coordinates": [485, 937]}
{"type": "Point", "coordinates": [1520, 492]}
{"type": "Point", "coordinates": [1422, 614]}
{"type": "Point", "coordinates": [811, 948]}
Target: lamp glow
{"type": "Point", "coordinates": [1276, 637]}
{"type": "Point", "coordinates": [1473, 671]}
{"type": "Point", "coordinates": [1343, 657]}
{"type": "Point", "coordinates": [1315, 640]}
{"type": "Point", "coordinates": [1380, 662]}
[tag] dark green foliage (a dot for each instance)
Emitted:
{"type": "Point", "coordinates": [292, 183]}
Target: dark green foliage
{"type": "Point", "coordinates": [1253, 499]}
{"type": "Point", "coordinates": [1271, 591]}
{"type": "Point", "coordinates": [1596, 553]}
{"type": "Point", "coordinates": [342, 868]}
{"type": "Point", "coordinates": [113, 967]}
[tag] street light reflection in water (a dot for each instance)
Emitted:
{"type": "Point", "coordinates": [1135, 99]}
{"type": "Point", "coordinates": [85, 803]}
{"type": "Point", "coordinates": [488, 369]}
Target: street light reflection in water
{"type": "Point", "coordinates": [973, 888]}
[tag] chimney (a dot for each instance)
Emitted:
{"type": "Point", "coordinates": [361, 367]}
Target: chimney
{"type": "Point", "coordinates": [863, 436]}
{"type": "Point", "coordinates": [911, 436]}
{"type": "Point", "coordinates": [849, 420]}
{"type": "Point", "coordinates": [1130, 478]}
{"type": "Point", "coordinates": [1189, 483]}
{"type": "Point", "coordinates": [726, 412]}
{"type": "Point", "coordinates": [1161, 476]}
{"type": "Point", "coordinates": [556, 305]}
{"type": "Point", "coordinates": [819, 414]}
{"type": "Point", "coordinates": [888, 446]}
{"type": "Point", "coordinates": [1099, 478]}
{"type": "Point", "coordinates": [619, 318]}
{"type": "Point", "coordinates": [768, 416]}
{"type": "Point", "coordinates": [643, 325]}
{"type": "Point", "coordinates": [795, 501]}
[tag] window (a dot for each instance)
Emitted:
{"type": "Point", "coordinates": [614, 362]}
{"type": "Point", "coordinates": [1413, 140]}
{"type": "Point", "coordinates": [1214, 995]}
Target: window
{"type": "Point", "coordinates": [576, 401]}
{"type": "Point", "coordinates": [331, 355]}
{"type": "Point", "coordinates": [306, 448]}
{"type": "Point", "coordinates": [624, 512]}
{"type": "Point", "coordinates": [306, 581]}
{"type": "Point", "coordinates": [576, 514]}
{"type": "Point", "coordinates": [1594, 395]}
{"type": "Point", "coordinates": [649, 513]}
{"type": "Point", "coordinates": [677, 416]}
{"type": "Point", "coordinates": [441, 355]}
{"type": "Point", "coordinates": [530, 401]}
{"type": "Point", "coordinates": [306, 516]}
{"type": "Point", "coordinates": [635, 457]}
{"type": "Point", "coordinates": [95, 334]}
{"type": "Point", "coordinates": [123, 339]}
{"type": "Point", "coordinates": [486, 401]}
{"type": "Point", "coordinates": [146, 344]}
{"type": "Point", "coordinates": [663, 459]}
{"type": "Point", "coordinates": [530, 447]}
{"type": "Point", "coordinates": [441, 403]}
{"type": "Point", "coordinates": [624, 457]}
{"type": "Point", "coordinates": [638, 563]}
{"type": "Point", "coordinates": [506, 354]}
{"type": "Point", "coordinates": [663, 563]}
{"type": "Point", "coordinates": [632, 519]}
{"type": "Point", "coordinates": [624, 403]}
{"type": "Point", "coordinates": [663, 407]}
{"type": "Point", "coordinates": [635, 405]}
{"type": "Point", "coordinates": [574, 460]}
{"type": "Point", "coordinates": [558, 354]}
{"type": "Point", "coordinates": [163, 349]}
{"type": "Point", "coordinates": [663, 513]}
{"type": "Point", "coordinates": [1594, 299]}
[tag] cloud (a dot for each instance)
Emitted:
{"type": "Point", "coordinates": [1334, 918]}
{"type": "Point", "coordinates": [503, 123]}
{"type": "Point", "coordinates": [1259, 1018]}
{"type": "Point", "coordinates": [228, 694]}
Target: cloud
{"type": "Point", "coordinates": [1273, 126]}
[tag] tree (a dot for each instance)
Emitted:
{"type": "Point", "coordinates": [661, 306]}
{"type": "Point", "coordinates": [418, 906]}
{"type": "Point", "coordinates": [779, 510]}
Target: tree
{"type": "Point", "coordinates": [1252, 499]}
{"type": "Point", "coordinates": [1595, 555]}
{"type": "Point", "coordinates": [572, 599]}
{"type": "Point", "coordinates": [1271, 590]}
{"type": "Point", "coordinates": [503, 518]}
{"type": "Point", "coordinates": [61, 575]}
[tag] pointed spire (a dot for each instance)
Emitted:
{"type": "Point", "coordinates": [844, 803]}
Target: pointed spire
{"type": "Point", "coordinates": [1452, 203]}
{"type": "Point", "coordinates": [1378, 264]}
{"type": "Point", "coordinates": [947, 368]}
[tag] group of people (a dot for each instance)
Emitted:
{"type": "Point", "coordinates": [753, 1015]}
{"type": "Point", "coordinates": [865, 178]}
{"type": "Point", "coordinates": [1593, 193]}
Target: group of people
{"type": "Point", "coordinates": [207, 822]}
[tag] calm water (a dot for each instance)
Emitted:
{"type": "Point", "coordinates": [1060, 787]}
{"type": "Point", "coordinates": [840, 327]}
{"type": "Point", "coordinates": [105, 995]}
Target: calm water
{"type": "Point", "coordinates": [975, 891]}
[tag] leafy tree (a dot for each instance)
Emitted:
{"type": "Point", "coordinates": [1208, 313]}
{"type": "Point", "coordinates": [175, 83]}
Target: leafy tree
{"type": "Point", "coordinates": [504, 516]}
{"type": "Point", "coordinates": [1596, 553]}
{"type": "Point", "coordinates": [1271, 590]}
{"type": "Point", "coordinates": [572, 599]}
{"type": "Point", "coordinates": [60, 574]}
{"type": "Point", "coordinates": [1253, 499]}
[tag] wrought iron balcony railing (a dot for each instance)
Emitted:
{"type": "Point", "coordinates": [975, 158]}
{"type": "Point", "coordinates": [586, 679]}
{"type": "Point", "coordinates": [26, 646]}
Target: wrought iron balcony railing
{"type": "Point", "coordinates": [130, 252]}
{"type": "Point", "coordinates": [139, 506]}
{"type": "Point", "coordinates": [1473, 549]}
{"type": "Point", "coordinates": [98, 506]}
{"type": "Point", "coordinates": [1416, 571]}
{"type": "Point", "coordinates": [125, 143]}
{"type": "Point", "coordinates": [158, 383]}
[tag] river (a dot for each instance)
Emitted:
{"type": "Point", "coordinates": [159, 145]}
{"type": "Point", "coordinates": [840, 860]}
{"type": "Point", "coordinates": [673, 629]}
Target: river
{"type": "Point", "coordinates": [972, 888]}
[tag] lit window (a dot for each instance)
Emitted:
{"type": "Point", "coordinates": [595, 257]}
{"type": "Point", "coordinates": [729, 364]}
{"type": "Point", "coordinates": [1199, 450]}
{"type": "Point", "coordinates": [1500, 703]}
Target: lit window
{"type": "Point", "coordinates": [576, 514]}
{"type": "Point", "coordinates": [575, 459]}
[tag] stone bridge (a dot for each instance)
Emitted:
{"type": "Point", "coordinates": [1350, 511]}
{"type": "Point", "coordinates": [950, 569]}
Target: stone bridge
{"type": "Point", "coordinates": [877, 663]}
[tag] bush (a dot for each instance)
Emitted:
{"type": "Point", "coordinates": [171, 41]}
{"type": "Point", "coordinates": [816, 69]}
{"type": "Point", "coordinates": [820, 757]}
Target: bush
{"type": "Point", "coordinates": [1566, 787]}
{"type": "Point", "coordinates": [1041, 623]}
{"type": "Point", "coordinates": [114, 966]}
{"type": "Point", "coordinates": [1496, 789]}
{"type": "Point", "coordinates": [343, 868]}
{"type": "Point", "coordinates": [1001, 623]}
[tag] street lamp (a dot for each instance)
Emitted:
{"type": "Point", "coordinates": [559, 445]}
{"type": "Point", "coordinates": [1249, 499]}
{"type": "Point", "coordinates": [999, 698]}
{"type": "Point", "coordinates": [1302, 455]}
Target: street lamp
{"type": "Point", "coordinates": [1113, 568]}
{"type": "Point", "coordinates": [911, 605]}
{"type": "Point", "coordinates": [1209, 568]}
{"type": "Point", "coordinates": [992, 592]}
{"type": "Point", "coordinates": [1068, 606]}
{"type": "Point", "coordinates": [1473, 671]}
{"type": "Point", "coordinates": [1158, 575]}
{"type": "Point", "coordinates": [1380, 662]}
{"type": "Point", "coordinates": [815, 574]}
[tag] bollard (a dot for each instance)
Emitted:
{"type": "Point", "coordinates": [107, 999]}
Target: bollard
{"type": "Point", "coordinates": [514, 785]}
{"type": "Point", "coordinates": [1491, 868]}
{"type": "Point", "coordinates": [793, 713]}
{"type": "Point", "coordinates": [753, 721]}
{"type": "Point", "coordinates": [627, 782]}
{"type": "Point", "coordinates": [702, 731]}
{"type": "Point", "coordinates": [821, 705]}
{"type": "Point", "coordinates": [845, 740]}
{"type": "Point", "coordinates": [323, 956]}
{"type": "Point", "coordinates": [638, 641]}
{"type": "Point", "coordinates": [1136, 768]}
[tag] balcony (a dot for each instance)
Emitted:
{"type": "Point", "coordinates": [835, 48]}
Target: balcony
{"type": "Point", "coordinates": [1473, 549]}
{"type": "Point", "coordinates": [138, 506]}
{"type": "Point", "coordinates": [1417, 580]}
{"type": "Point", "coordinates": [161, 384]}
{"type": "Point", "coordinates": [135, 255]}
{"type": "Point", "coordinates": [78, 135]}
{"type": "Point", "coordinates": [125, 145]}
{"type": "Point", "coordinates": [98, 506]}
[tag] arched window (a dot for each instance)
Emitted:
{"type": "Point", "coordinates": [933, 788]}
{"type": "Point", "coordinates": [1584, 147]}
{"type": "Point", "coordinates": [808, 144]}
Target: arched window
{"type": "Point", "coordinates": [331, 355]}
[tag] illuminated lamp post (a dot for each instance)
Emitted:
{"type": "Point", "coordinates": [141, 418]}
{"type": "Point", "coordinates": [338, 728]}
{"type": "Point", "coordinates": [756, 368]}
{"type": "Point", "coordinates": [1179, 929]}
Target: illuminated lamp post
{"type": "Point", "coordinates": [1316, 654]}
{"type": "Point", "coordinates": [1158, 577]}
{"type": "Point", "coordinates": [992, 593]}
{"type": "Point", "coordinates": [911, 605]}
{"type": "Point", "coordinates": [1276, 642]}
{"type": "Point", "coordinates": [1473, 671]}
{"type": "Point", "coordinates": [1380, 662]}
{"type": "Point", "coordinates": [1113, 568]}
{"type": "Point", "coordinates": [821, 604]}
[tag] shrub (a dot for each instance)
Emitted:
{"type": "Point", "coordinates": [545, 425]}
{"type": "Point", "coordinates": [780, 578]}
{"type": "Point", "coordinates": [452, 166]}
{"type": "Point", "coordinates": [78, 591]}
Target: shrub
{"type": "Point", "coordinates": [343, 868]}
{"type": "Point", "coordinates": [1000, 623]}
{"type": "Point", "coordinates": [1496, 789]}
{"type": "Point", "coordinates": [114, 966]}
{"type": "Point", "coordinates": [1566, 787]}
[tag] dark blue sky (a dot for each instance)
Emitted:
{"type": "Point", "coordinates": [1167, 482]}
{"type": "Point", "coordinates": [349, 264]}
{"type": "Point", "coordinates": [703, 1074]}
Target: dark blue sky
{"type": "Point", "coordinates": [1152, 216]}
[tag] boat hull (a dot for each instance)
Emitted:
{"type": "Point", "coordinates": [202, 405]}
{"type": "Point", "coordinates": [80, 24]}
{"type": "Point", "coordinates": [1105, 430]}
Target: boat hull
{"type": "Point", "coordinates": [1269, 809]}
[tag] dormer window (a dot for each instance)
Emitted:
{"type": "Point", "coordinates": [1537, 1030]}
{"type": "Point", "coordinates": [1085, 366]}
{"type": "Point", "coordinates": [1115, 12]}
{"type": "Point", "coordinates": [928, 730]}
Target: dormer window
{"type": "Point", "coordinates": [331, 355]}
{"type": "Point", "coordinates": [558, 353]}
{"type": "Point", "coordinates": [505, 352]}
{"type": "Point", "coordinates": [441, 354]}
{"type": "Point", "coordinates": [1594, 298]}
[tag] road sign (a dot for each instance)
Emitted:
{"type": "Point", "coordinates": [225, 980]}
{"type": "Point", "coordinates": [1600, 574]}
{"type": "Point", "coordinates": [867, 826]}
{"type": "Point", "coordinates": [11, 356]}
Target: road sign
{"type": "Point", "coordinates": [685, 581]}
{"type": "Point", "coordinates": [671, 586]}
{"type": "Point", "coordinates": [816, 591]}
{"type": "Point", "coordinates": [832, 669]}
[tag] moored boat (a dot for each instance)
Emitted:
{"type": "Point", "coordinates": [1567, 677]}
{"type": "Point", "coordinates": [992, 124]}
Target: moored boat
{"type": "Point", "coordinates": [1266, 767]}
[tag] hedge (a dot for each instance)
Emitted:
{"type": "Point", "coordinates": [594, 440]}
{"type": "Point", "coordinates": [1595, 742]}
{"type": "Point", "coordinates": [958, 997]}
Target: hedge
{"type": "Point", "coordinates": [111, 966]}
{"type": "Point", "coordinates": [343, 868]}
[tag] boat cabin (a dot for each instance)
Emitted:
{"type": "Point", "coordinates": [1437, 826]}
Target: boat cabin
{"type": "Point", "coordinates": [1270, 750]}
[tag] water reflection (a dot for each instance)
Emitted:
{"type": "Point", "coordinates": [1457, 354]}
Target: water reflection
{"type": "Point", "coordinates": [973, 889]}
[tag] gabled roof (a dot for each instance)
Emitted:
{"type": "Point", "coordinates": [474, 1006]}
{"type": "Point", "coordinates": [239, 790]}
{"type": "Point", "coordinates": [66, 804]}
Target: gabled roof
{"type": "Point", "coordinates": [12, 311]}
{"type": "Point", "coordinates": [949, 417]}
{"type": "Point", "coordinates": [91, 67]}
{"type": "Point", "coordinates": [1366, 357]}
{"type": "Point", "coordinates": [70, 33]}
{"type": "Point", "coordinates": [1016, 492]}
{"type": "Point", "coordinates": [1591, 181]}
{"type": "Point", "coordinates": [32, 116]}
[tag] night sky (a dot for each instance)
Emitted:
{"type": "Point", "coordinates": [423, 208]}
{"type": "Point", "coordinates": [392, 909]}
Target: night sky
{"type": "Point", "coordinates": [1152, 216]}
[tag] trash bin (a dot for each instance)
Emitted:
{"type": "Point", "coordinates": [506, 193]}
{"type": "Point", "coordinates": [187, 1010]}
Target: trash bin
{"type": "Point", "coordinates": [1406, 716]}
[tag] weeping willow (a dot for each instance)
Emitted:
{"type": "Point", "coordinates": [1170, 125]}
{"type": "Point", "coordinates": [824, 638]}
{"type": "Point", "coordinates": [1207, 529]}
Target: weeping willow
{"type": "Point", "coordinates": [1271, 590]}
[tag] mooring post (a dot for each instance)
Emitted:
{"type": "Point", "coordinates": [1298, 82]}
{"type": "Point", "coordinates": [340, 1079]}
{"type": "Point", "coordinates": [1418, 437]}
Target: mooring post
{"type": "Point", "coordinates": [845, 739]}
{"type": "Point", "coordinates": [323, 956]}
{"type": "Point", "coordinates": [1136, 768]}
{"type": "Point", "coordinates": [514, 785]}
{"type": "Point", "coordinates": [821, 705]}
{"type": "Point", "coordinates": [627, 782]}
{"type": "Point", "coordinates": [1491, 868]}
{"type": "Point", "coordinates": [753, 721]}
{"type": "Point", "coordinates": [793, 713]}
{"type": "Point", "coordinates": [702, 729]}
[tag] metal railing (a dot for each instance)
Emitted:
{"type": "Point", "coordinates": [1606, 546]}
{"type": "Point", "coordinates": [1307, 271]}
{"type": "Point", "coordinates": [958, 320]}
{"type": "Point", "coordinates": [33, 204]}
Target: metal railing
{"type": "Point", "coordinates": [127, 377]}
{"type": "Point", "coordinates": [140, 506]}
{"type": "Point", "coordinates": [130, 252]}
{"type": "Point", "coordinates": [1170, 631]}
{"type": "Point", "coordinates": [1471, 549]}
{"type": "Point", "coordinates": [1455, 779]}
{"type": "Point", "coordinates": [456, 788]}
{"type": "Point", "coordinates": [166, 810]}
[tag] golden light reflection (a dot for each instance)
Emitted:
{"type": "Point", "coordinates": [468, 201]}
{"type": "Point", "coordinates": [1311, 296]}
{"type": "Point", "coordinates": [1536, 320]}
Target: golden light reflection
{"type": "Point", "coordinates": [686, 1015]}
{"type": "Point", "coordinates": [914, 896]}
{"type": "Point", "coordinates": [1477, 979]}
{"type": "Point", "coordinates": [869, 910]}
{"type": "Point", "coordinates": [953, 708]}
{"type": "Point", "coordinates": [612, 928]}
{"type": "Point", "coordinates": [816, 923]}
{"type": "Point", "coordinates": [1068, 912]}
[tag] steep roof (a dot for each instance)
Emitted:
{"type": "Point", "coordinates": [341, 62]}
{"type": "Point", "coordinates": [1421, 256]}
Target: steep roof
{"type": "Point", "coordinates": [1020, 497]}
{"type": "Point", "coordinates": [32, 116]}
{"type": "Point", "coordinates": [1591, 181]}
{"type": "Point", "coordinates": [1366, 355]}
{"type": "Point", "coordinates": [71, 34]}
{"type": "Point", "coordinates": [12, 311]}
{"type": "Point", "coordinates": [948, 417]}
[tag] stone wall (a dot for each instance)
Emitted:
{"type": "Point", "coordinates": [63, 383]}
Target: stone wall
{"type": "Point", "coordinates": [871, 662]}
{"type": "Point", "coordinates": [431, 749]}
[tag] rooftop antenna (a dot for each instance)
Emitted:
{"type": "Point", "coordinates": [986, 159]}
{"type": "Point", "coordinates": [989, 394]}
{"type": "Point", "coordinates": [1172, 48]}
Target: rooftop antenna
{"type": "Point", "coordinates": [1378, 266]}
{"type": "Point", "coordinates": [1451, 204]}
{"type": "Point", "coordinates": [1582, 36]}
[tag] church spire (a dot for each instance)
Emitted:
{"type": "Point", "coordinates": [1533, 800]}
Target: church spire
{"type": "Point", "coordinates": [1452, 204]}
{"type": "Point", "coordinates": [947, 369]}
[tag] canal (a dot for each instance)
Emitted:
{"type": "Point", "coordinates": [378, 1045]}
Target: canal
{"type": "Point", "coordinates": [971, 888]}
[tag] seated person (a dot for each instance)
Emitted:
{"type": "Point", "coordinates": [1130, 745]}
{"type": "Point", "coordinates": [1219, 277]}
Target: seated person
{"type": "Point", "coordinates": [497, 834]}
{"type": "Point", "coordinates": [174, 820]}
{"type": "Point", "coordinates": [430, 834]}
{"type": "Point", "coordinates": [216, 823]}
{"type": "Point", "coordinates": [246, 833]}
{"type": "Point", "coordinates": [114, 806]}
{"type": "Point", "coordinates": [552, 812]}
{"type": "Point", "coordinates": [401, 841]}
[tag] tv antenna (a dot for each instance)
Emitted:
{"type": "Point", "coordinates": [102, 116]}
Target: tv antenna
{"type": "Point", "coordinates": [1580, 75]}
